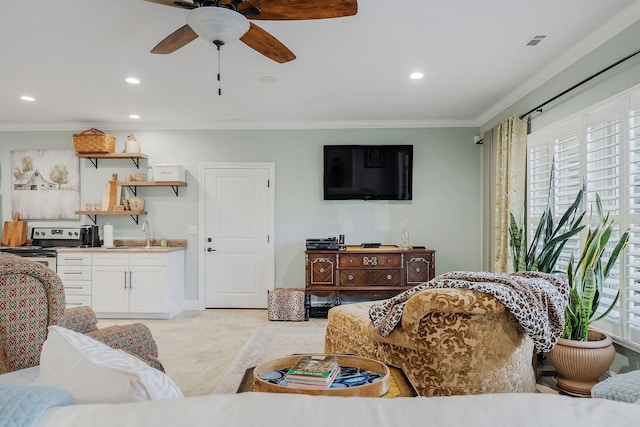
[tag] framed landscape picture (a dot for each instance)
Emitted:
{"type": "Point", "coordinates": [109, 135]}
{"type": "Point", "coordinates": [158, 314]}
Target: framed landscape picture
{"type": "Point", "coordinates": [45, 184]}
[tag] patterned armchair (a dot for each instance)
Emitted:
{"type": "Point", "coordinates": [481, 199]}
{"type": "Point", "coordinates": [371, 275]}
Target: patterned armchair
{"type": "Point", "coordinates": [32, 298]}
{"type": "Point", "coordinates": [449, 342]}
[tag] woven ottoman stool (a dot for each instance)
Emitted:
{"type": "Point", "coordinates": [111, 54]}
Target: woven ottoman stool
{"type": "Point", "coordinates": [286, 304]}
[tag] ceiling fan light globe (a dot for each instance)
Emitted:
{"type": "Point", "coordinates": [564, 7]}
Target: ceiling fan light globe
{"type": "Point", "coordinates": [217, 24]}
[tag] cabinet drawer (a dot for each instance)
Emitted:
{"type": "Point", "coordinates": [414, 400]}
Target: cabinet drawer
{"type": "Point", "coordinates": [148, 259]}
{"type": "Point", "coordinates": [418, 269]}
{"type": "Point", "coordinates": [78, 300]}
{"type": "Point", "coordinates": [120, 258]}
{"type": "Point", "coordinates": [78, 287]}
{"type": "Point", "coordinates": [370, 277]}
{"type": "Point", "coordinates": [73, 258]}
{"type": "Point", "coordinates": [370, 261]}
{"type": "Point", "coordinates": [73, 272]}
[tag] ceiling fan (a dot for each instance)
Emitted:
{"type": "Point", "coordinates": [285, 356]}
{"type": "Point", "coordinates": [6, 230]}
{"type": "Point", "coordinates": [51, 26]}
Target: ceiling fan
{"type": "Point", "coordinates": [206, 17]}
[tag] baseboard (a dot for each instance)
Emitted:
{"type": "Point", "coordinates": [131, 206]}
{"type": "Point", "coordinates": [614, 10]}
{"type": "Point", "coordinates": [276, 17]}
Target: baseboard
{"type": "Point", "coordinates": [192, 305]}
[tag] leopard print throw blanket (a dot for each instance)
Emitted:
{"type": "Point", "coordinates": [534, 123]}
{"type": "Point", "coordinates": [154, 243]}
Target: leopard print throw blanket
{"type": "Point", "coordinates": [537, 300]}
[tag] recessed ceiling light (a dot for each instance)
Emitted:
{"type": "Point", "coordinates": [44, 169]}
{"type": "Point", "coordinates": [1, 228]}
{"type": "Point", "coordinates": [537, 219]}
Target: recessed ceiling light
{"type": "Point", "coordinates": [416, 76]}
{"type": "Point", "coordinates": [134, 116]}
{"type": "Point", "coordinates": [132, 80]}
{"type": "Point", "coordinates": [27, 98]}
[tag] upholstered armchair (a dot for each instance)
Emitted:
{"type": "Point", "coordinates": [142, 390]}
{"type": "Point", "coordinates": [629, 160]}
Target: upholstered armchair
{"type": "Point", "coordinates": [448, 342]}
{"type": "Point", "coordinates": [32, 298]}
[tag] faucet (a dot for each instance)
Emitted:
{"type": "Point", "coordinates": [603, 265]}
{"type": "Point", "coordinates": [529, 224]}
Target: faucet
{"type": "Point", "coordinates": [147, 229]}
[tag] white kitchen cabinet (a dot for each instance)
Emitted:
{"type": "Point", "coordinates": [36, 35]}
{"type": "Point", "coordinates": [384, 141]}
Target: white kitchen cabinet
{"type": "Point", "coordinates": [74, 268]}
{"type": "Point", "coordinates": [138, 284]}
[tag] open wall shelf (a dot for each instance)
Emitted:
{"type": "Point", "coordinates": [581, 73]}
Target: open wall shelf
{"type": "Point", "coordinates": [94, 214]}
{"type": "Point", "coordinates": [133, 185]}
{"type": "Point", "coordinates": [93, 157]}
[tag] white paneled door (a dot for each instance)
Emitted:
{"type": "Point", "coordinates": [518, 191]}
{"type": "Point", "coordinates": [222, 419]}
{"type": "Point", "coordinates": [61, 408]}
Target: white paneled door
{"type": "Point", "coordinates": [238, 235]}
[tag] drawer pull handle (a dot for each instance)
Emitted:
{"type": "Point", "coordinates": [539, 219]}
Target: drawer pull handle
{"type": "Point", "coordinates": [71, 272]}
{"type": "Point", "coordinates": [73, 287]}
{"type": "Point", "coordinates": [418, 270]}
{"type": "Point", "coordinates": [351, 277]}
{"type": "Point", "coordinates": [321, 270]}
{"type": "Point", "coordinates": [72, 259]}
{"type": "Point", "coordinates": [389, 277]}
{"type": "Point", "coordinates": [74, 303]}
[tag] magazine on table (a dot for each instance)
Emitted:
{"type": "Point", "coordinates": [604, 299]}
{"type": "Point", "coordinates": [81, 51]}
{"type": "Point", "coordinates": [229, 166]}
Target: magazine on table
{"type": "Point", "coordinates": [313, 366]}
{"type": "Point", "coordinates": [311, 381]}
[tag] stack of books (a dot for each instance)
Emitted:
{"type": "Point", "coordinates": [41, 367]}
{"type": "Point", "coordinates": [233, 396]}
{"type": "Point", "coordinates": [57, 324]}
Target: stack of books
{"type": "Point", "coordinates": [313, 371]}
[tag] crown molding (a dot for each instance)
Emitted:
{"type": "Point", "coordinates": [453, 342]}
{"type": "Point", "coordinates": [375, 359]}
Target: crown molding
{"type": "Point", "coordinates": [241, 125]}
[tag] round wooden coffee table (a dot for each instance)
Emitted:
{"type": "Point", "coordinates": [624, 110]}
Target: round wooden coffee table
{"type": "Point", "coordinates": [266, 377]}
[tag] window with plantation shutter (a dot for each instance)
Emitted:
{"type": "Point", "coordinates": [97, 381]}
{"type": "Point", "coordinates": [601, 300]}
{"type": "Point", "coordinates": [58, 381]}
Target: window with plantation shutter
{"type": "Point", "coordinates": [603, 169]}
{"type": "Point", "coordinates": [598, 150]}
{"type": "Point", "coordinates": [567, 178]}
{"type": "Point", "coordinates": [631, 298]}
{"type": "Point", "coordinates": [539, 158]}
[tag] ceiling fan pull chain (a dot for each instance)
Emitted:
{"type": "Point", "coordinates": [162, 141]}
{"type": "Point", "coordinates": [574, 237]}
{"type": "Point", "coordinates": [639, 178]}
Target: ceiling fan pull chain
{"type": "Point", "coordinates": [219, 43]}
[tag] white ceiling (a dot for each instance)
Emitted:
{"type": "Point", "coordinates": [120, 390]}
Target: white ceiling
{"type": "Point", "coordinates": [73, 57]}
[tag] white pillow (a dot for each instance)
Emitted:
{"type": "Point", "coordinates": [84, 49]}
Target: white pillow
{"type": "Point", "coordinates": [93, 372]}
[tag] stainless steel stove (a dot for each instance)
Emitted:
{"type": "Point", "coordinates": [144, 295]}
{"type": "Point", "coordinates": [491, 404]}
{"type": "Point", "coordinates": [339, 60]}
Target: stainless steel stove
{"type": "Point", "coordinates": [46, 240]}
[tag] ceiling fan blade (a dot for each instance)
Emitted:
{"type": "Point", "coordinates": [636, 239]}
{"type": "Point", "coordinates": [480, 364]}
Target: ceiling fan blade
{"type": "Point", "coordinates": [264, 43]}
{"type": "Point", "coordinates": [174, 41]}
{"type": "Point", "coordinates": [175, 3]}
{"type": "Point", "coordinates": [302, 9]}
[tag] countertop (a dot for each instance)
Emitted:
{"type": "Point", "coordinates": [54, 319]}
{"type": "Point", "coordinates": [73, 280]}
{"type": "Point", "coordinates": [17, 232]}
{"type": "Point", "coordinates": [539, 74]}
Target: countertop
{"type": "Point", "coordinates": [134, 246]}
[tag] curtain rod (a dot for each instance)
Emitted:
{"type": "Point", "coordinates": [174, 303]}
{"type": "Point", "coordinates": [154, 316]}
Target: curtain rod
{"type": "Point", "coordinates": [591, 77]}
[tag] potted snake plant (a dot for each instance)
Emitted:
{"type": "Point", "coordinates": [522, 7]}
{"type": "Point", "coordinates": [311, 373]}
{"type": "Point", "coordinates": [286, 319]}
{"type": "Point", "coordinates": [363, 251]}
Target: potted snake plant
{"type": "Point", "coordinates": [583, 355]}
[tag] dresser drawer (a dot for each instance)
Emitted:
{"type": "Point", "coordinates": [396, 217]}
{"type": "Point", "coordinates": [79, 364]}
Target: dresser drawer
{"type": "Point", "coordinates": [349, 277]}
{"type": "Point", "coordinates": [74, 272]}
{"type": "Point", "coordinates": [372, 260]}
{"type": "Point", "coordinates": [418, 269]}
{"type": "Point", "coordinates": [320, 269]}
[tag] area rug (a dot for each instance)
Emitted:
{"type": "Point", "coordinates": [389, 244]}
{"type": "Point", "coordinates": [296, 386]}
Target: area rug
{"type": "Point", "coordinates": [270, 342]}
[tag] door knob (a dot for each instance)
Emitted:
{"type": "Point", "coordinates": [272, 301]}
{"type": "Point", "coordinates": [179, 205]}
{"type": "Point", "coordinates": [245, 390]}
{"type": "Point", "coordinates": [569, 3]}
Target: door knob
{"type": "Point", "coordinates": [210, 250]}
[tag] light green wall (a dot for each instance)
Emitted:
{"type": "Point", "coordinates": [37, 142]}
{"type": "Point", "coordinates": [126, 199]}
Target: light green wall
{"type": "Point", "coordinates": [445, 213]}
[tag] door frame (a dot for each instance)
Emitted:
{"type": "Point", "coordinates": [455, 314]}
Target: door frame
{"type": "Point", "coordinates": [270, 166]}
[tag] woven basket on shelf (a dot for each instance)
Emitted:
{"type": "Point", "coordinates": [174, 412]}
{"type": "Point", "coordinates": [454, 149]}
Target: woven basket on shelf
{"type": "Point", "coordinates": [94, 141]}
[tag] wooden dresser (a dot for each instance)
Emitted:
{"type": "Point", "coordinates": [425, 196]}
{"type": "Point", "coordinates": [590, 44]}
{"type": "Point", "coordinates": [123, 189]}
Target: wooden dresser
{"type": "Point", "coordinates": [383, 271]}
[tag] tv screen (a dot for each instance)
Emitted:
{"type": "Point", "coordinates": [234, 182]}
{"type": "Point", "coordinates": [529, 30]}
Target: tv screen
{"type": "Point", "coordinates": [368, 172]}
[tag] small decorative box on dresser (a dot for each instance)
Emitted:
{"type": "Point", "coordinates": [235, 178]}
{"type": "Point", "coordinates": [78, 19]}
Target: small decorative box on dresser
{"type": "Point", "coordinates": [384, 270]}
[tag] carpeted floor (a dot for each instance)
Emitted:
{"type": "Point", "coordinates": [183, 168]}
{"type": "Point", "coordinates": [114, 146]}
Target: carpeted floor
{"type": "Point", "coordinates": [208, 351]}
{"type": "Point", "coordinates": [198, 348]}
{"type": "Point", "coordinates": [267, 343]}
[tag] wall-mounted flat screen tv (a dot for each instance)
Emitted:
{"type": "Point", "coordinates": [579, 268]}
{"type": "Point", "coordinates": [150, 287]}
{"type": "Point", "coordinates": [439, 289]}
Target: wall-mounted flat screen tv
{"type": "Point", "coordinates": [368, 172]}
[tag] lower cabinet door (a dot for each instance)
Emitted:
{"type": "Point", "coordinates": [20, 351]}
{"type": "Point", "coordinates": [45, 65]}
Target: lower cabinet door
{"type": "Point", "coordinates": [110, 288]}
{"type": "Point", "coordinates": [148, 289]}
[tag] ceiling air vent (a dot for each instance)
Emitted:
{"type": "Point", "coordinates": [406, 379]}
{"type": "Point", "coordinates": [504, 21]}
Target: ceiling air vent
{"type": "Point", "coordinates": [535, 40]}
